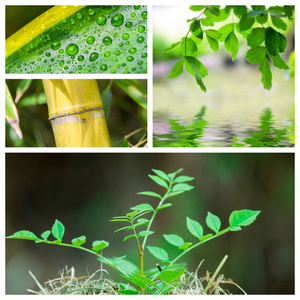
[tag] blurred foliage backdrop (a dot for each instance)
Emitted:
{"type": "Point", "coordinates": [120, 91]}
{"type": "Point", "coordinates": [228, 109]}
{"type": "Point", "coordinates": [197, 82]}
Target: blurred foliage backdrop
{"type": "Point", "coordinates": [84, 191]}
{"type": "Point", "coordinates": [125, 115]}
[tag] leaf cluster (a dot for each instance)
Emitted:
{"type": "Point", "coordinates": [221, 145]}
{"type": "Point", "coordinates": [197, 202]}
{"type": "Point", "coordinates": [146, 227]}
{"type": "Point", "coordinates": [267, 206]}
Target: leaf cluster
{"type": "Point", "coordinates": [262, 28]}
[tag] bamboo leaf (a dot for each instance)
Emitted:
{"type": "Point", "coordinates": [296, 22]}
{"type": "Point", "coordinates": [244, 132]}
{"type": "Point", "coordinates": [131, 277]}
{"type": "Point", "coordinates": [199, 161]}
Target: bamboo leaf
{"type": "Point", "coordinates": [22, 88]}
{"type": "Point", "coordinates": [194, 228]}
{"type": "Point", "coordinates": [58, 230]}
{"type": "Point", "coordinates": [213, 222]}
{"type": "Point", "coordinates": [81, 39]}
{"type": "Point", "coordinates": [243, 217]}
{"type": "Point", "coordinates": [11, 113]}
{"type": "Point", "coordinates": [134, 90]}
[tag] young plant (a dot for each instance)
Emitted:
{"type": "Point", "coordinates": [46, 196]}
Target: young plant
{"type": "Point", "coordinates": [261, 27]}
{"type": "Point", "coordinates": [166, 277]}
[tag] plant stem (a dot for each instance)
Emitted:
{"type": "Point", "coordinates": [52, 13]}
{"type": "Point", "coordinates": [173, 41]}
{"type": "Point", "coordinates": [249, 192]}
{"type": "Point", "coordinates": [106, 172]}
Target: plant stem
{"type": "Point", "coordinates": [140, 248]}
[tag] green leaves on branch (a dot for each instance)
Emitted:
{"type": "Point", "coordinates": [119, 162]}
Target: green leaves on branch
{"type": "Point", "coordinates": [265, 42]}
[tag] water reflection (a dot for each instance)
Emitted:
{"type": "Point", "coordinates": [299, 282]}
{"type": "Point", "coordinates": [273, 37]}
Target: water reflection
{"type": "Point", "coordinates": [200, 133]}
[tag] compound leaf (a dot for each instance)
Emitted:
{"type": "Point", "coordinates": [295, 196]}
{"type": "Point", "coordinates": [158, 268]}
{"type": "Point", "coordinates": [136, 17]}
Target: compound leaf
{"type": "Point", "coordinates": [214, 44]}
{"type": "Point", "coordinates": [194, 67]}
{"type": "Point", "coordinates": [173, 46]}
{"type": "Point", "coordinates": [215, 34]}
{"type": "Point", "coordinates": [188, 47]}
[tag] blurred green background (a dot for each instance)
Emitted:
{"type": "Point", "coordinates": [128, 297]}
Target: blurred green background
{"type": "Point", "coordinates": [84, 191]}
{"type": "Point", "coordinates": [125, 115]}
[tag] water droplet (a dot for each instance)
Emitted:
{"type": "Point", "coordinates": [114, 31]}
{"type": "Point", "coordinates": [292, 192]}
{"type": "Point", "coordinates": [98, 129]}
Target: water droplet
{"type": "Point", "coordinates": [144, 14]}
{"type": "Point", "coordinates": [128, 25]}
{"type": "Point", "coordinates": [132, 50]}
{"type": "Point", "coordinates": [144, 55]}
{"type": "Point", "coordinates": [115, 34]}
{"type": "Point", "coordinates": [61, 63]}
{"type": "Point", "coordinates": [61, 51]}
{"type": "Point", "coordinates": [141, 28]}
{"type": "Point", "coordinates": [101, 20]}
{"type": "Point", "coordinates": [91, 11]}
{"type": "Point", "coordinates": [123, 64]}
{"type": "Point", "coordinates": [133, 69]}
{"type": "Point", "coordinates": [81, 58]}
{"type": "Point", "coordinates": [107, 41]}
{"type": "Point", "coordinates": [140, 39]}
{"type": "Point", "coordinates": [140, 63]}
{"type": "Point", "coordinates": [90, 40]}
{"type": "Point", "coordinates": [48, 54]}
{"type": "Point", "coordinates": [133, 14]}
{"type": "Point", "coordinates": [94, 56]}
{"type": "Point", "coordinates": [72, 49]}
{"type": "Point", "coordinates": [125, 36]}
{"type": "Point", "coordinates": [136, 6]}
{"type": "Point", "coordinates": [130, 58]}
{"type": "Point", "coordinates": [79, 67]}
{"type": "Point", "coordinates": [118, 52]}
{"type": "Point", "coordinates": [117, 20]}
{"type": "Point", "coordinates": [121, 45]}
{"type": "Point", "coordinates": [72, 21]}
{"type": "Point", "coordinates": [48, 37]}
{"type": "Point", "coordinates": [38, 59]}
{"type": "Point", "coordinates": [107, 54]}
{"type": "Point", "coordinates": [79, 16]}
{"type": "Point", "coordinates": [55, 45]}
{"type": "Point", "coordinates": [103, 67]}
{"type": "Point", "coordinates": [127, 43]}
{"type": "Point", "coordinates": [45, 60]}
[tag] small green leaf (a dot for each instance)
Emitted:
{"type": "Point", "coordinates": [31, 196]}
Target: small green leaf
{"type": "Point", "coordinates": [194, 228]}
{"type": "Point", "coordinates": [142, 207]}
{"type": "Point", "coordinates": [161, 174]}
{"type": "Point", "coordinates": [79, 241]}
{"type": "Point", "coordinates": [159, 181]}
{"type": "Point", "coordinates": [215, 34]}
{"type": "Point", "coordinates": [184, 246]}
{"type": "Point", "coordinates": [106, 97]}
{"type": "Point", "coordinates": [225, 30]}
{"type": "Point", "coordinates": [170, 276]}
{"type": "Point", "coordinates": [232, 45]}
{"type": "Point", "coordinates": [272, 41]}
{"type": "Point", "coordinates": [189, 61]}
{"type": "Point", "coordinates": [159, 253]}
{"type": "Point", "coordinates": [141, 281]}
{"type": "Point", "coordinates": [24, 235]}
{"type": "Point", "coordinates": [236, 228]}
{"type": "Point", "coordinates": [205, 237]}
{"type": "Point", "coordinates": [173, 46]}
{"type": "Point", "coordinates": [128, 292]}
{"type": "Point", "coordinates": [243, 217]}
{"type": "Point", "coordinates": [213, 9]}
{"type": "Point", "coordinates": [58, 230]}
{"type": "Point", "coordinates": [256, 37]}
{"type": "Point", "coordinates": [123, 228]}
{"type": "Point", "coordinates": [149, 193]}
{"type": "Point", "coordinates": [282, 42]}
{"type": "Point", "coordinates": [172, 175]}
{"type": "Point", "coordinates": [188, 47]}
{"type": "Point", "coordinates": [266, 74]}
{"type": "Point", "coordinates": [214, 44]}
{"type": "Point", "coordinates": [182, 187]}
{"type": "Point", "coordinates": [22, 87]}
{"type": "Point", "coordinates": [99, 245]}
{"type": "Point", "coordinates": [177, 69]}
{"type": "Point", "coordinates": [45, 234]}
{"type": "Point", "coordinates": [213, 222]}
{"type": "Point", "coordinates": [256, 55]}
{"type": "Point", "coordinates": [174, 239]}
{"type": "Point", "coordinates": [246, 22]}
{"type": "Point", "coordinates": [196, 29]}
{"type": "Point", "coordinates": [145, 233]}
{"type": "Point", "coordinates": [262, 18]}
{"type": "Point", "coordinates": [197, 7]}
{"type": "Point", "coordinates": [279, 23]}
{"type": "Point", "coordinates": [164, 206]}
{"type": "Point", "coordinates": [190, 65]}
{"type": "Point", "coordinates": [278, 62]}
{"type": "Point", "coordinates": [183, 179]}
{"type": "Point", "coordinates": [240, 10]}
{"type": "Point", "coordinates": [128, 237]}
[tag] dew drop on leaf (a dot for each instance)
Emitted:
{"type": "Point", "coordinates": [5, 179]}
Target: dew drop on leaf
{"type": "Point", "coordinates": [90, 40]}
{"type": "Point", "coordinates": [55, 45]}
{"type": "Point", "coordinates": [133, 14]}
{"type": "Point", "coordinates": [128, 25]}
{"type": "Point", "coordinates": [101, 20]}
{"type": "Point", "coordinates": [118, 53]}
{"type": "Point", "coordinates": [91, 11]}
{"type": "Point", "coordinates": [107, 54]}
{"type": "Point", "coordinates": [103, 67]}
{"type": "Point", "coordinates": [61, 63]}
{"type": "Point", "coordinates": [144, 14]}
{"type": "Point", "coordinates": [80, 58]}
{"type": "Point", "coordinates": [141, 28]}
{"type": "Point", "coordinates": [132, 50]}
{"type": "Point", "coordinates": [79, 16]}
{"type": "Point", "coordinates": [140, 39]}
{"type": "Point", "coordinates": [130, 58]}
{"type": "Point", "coordinates": [94, 56]}
{"type": "Point", "coordinates": [136, 6]}
{"type": "Point", "coordinates": [117, 20]}
{"type": "Point", "coordinates": [144, 55]}
{"type": "Point", "coordinates": [125, 36]}
{"type": "Point", "coordinates": [72, 49]}
{"type": "Point", "coordinates": [107, 41]}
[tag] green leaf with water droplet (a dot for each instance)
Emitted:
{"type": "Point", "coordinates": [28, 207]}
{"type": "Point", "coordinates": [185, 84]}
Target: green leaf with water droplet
{"type": "Point", "coordinates": [81, 39]}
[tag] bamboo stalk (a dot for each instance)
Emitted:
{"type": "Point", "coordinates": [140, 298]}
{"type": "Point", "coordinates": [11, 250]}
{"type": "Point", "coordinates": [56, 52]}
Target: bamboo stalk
{"type": "Point", "coordinates": [76, 113]}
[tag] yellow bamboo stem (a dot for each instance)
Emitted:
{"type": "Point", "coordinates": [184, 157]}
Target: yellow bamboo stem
{"type": "Point", "coordinates": [76, 113]}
